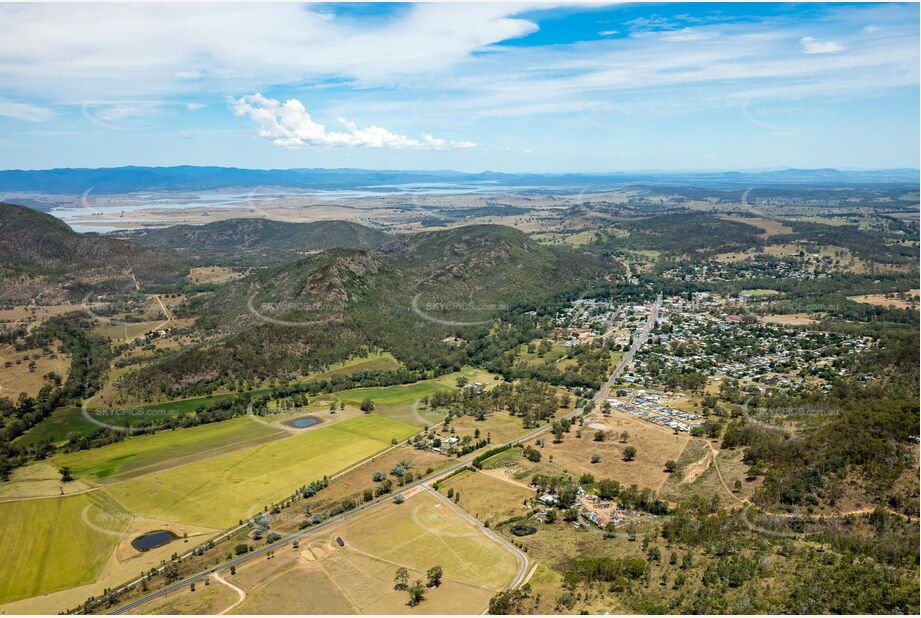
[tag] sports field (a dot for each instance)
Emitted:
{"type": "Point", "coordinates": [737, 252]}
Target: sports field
{"type": "Point", "coordinates": [142, 454]}
{"type": "Point", "coordinates": [56, 543]}
{"type": "Point", "coordinates": [218, 491]}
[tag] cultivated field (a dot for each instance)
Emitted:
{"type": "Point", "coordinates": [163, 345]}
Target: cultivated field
{"type": "Point", "coordinates": [49, 545]}
{"type": "Point", "coordinates": [141, 455]}
{"type": "Point", "coordinates": [218, 491]}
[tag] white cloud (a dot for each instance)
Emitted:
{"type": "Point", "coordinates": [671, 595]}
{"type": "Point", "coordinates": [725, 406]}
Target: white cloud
{"type": "Point", "coordinates": [25, 111]}
{"type": "Point", "coordinates": [811, 45]}
{"type": "Point", "coordinates": [289, 124]}
{"type": "Point", "coordinates": [194, 107]}
{"type": "Point", "coordinates": [73, 52]}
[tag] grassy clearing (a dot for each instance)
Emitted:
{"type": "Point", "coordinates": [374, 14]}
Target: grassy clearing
{"type": "Point", "coordinates": [790, 319]}
{"type": "Point", "coordinates": [48, 546]}
{"type": "Point", "coordinates": [218, 491]}
{"type": "Point", "coordinates": [320, 577]}
{"type": "Point", "coordinates": [488, 497]}
{"type": "Point", "coordinates": [398, 402]}
{"type": "Point", "coordinates": [654, 447]}
{"type": "Point", "coordinates": [62, 423]}
{"type": "Point", "coordinates": [880, 300]}
{"type": "Point", "coordinates": [37, 480]}
{"type": "Point", "coordinates": [375, 361]}
{"type": "Point", "coordinates": [142, 454]}
{"type": "Point", "coordinates": [19, 378]}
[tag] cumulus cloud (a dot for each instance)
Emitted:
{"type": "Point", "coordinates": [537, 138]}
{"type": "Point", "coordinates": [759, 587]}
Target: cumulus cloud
{"type": "Point", "coordinates": [289, 124]}
{"type": "Point", "coordinates": [810, 45]}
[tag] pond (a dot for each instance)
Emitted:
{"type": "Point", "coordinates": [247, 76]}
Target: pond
{"type": "Point", "coordinates": [520, 530]}
{"type": "Point", "coordinates": [302, 422]}
{"type": "Point", "coordinates": [154, 538]}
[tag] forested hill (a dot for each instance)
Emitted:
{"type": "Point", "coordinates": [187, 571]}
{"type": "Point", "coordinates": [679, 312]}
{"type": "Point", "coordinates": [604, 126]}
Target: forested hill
{"type": "Point", "coordinates": [405, 298]}
{"type": "Point", "coordinates": [249, 241]}
{"type": "Point", "coordinates": [40, 253]}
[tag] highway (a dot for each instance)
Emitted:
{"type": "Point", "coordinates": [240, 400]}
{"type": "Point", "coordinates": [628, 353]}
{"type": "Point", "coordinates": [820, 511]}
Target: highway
{"type": "Point", "coordinates": [599, 397]}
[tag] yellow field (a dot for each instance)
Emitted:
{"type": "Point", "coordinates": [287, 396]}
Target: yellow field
{"type": "Point", "coordinates": [18, 378]}
{"type": "Point", "coordinates": [321, 577]}
{"type": "Point", "coordinates": [143, 454]}
{"type": "Point", "coordinates": [654, 444]}
{"type": "Point", "coordinates": [489, 496]}
{"type": "Point", "coordinates": [219, 491]}
{"type": "Point", "coordinates": [880, 300]}
{"type": "Point", "coordinates": [55, 543]}
{"type": "Point", "coordinates": [212, 274]}
{"type": "Point", "coordinates": [792, 319]}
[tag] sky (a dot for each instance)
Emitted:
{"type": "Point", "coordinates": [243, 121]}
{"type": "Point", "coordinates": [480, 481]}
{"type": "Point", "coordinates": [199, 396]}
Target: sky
{"type": "Point", "coordinates": [504, 87]}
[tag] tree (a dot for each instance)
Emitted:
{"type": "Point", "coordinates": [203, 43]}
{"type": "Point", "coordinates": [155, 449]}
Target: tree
{"type": "Point", "coordinates": [624, 436]}
{"type": "Point", "coordinates": [401, 580]}
{"type": "Point", "coordinates": [399, 499]}
{"type": "Point", "coordinates": [596, 458]}
{"type": "Point", "coordinates": [241, 549]}
{"type": "Point", "coordinates": [367, 405]}
{"type": "Point", "coordinates": [558, 433]}
{"type": "Point", "coordinates": [435, 574]}
{"type": "Point", "coordinates": [671, 465]}
{"type": "Point", "coordinates": [608, 489]}
{"type": "Point", "coordinates": [66, 477]}
{"type": "Point", "coordinates": [629, 453]}
{"type": "Point", "coordinates": [599, 436]}
{"type": "Point", "coordinates": [416, 593]}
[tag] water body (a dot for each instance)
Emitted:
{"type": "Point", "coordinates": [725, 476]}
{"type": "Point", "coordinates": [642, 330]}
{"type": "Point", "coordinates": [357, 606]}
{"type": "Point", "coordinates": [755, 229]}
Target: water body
{"type": "Point", "coordinates": [152, 539]}
{"type": "Point", "coordinates": [302, 422]}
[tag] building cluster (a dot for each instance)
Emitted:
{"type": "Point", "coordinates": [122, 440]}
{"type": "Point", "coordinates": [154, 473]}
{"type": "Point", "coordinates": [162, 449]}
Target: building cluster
{"type": "Point", "coordinates": [650, 406]}
{"type": "Point", "coordinates": [703, 335]}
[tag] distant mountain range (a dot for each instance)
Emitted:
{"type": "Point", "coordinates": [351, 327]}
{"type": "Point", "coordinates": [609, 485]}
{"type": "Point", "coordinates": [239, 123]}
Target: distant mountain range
{"type": "Point", "coordinates": [74, 181]}
{"type": "Point", "coordinates": [251, 241]}
{"type": "Point", "coordinates": [41, 255]}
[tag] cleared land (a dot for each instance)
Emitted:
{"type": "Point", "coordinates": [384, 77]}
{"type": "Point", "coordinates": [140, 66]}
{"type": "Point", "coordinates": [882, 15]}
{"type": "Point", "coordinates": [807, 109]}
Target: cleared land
{"type": "Point", "coordinates": [488, 497]}
{"type": "Point", "coordinates": [322, 577]}
{"type": "Point", "coordinates": [881, 300]}
{"type": "Point", "coordinates": [219, 491]}
{"type": "Point", "coordinates": [398, 402]}
{"type": "Point", "coordinates": [654, 446]}
{"type": "Point", "coordinates": [56, 543]}
{"type": "Point", "coordinates": [25, 371]}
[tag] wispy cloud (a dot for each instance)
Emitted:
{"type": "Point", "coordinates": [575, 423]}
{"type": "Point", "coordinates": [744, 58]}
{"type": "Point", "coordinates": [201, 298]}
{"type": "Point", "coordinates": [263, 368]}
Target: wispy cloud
{"type": "Point", "coordinates": [811, 45]}
{"type": "Point", "coordinates": [289, 124]}
{"type": "Point", "coordinates": [25, 111]}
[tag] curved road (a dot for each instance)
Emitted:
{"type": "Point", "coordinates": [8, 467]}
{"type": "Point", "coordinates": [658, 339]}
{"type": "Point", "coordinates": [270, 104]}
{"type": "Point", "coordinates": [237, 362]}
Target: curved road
{"type": "Point", "coordinates": [599, 396]}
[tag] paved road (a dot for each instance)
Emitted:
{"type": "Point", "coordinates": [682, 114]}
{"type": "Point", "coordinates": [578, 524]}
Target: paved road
{"type": "Point", "coordinates": [183, 583]}
{"type": "Point", "coordinates": [628, 355]}
{"type": "Point", "coordinates": [599, 396]}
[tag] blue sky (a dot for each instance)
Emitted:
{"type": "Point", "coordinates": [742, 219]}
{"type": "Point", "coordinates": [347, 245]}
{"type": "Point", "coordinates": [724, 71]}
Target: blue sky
{"type": "Point", "coordinates": [507, 87]}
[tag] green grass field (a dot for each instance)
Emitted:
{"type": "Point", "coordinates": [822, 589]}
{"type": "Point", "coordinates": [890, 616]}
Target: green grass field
{"type": "Point", "coordinates": [376, 361]}
{"type": "Point", "coordinates": [55, 543]}
{"type": "Point", "coordinates": [57, 427]}
{"type": "Point", "coordinates": [137, 455]}
{"type": "Point", "coordinates": [219, 491]}
{"type": "Point", "coordinates": [397, 402]}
